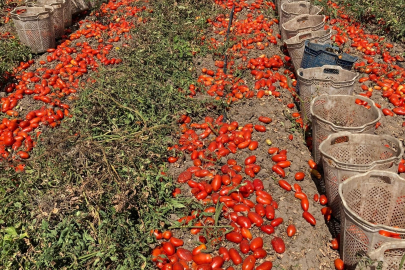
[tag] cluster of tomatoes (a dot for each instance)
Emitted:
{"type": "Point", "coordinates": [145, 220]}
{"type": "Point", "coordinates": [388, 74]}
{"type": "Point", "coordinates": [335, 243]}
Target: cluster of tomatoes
{"type": "Point", "coordinates": [264, 71]}
{"type": "Point", "coordinates": [380, 67]}
{"type": "Point", "coordinates": [61, 73]}
{"type": "Point", "coordinates": [8, 6]}
{"type": "Point", "coordinates": [253, 33]}
{"type": "Point", "coordinates": [206, 143]}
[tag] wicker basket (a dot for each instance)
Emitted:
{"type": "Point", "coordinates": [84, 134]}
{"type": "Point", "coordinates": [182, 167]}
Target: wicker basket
{"type": "Point", "coordinates": [336, 113]}
{"type": "Point", "coordinates": [317, 55]}
{"type": "Point", "coordinates": [291, 10]}
{"type": "Point", "coordinates": [78, 6]}
{"type": "Point", "coordinates": [296, 44]}
{"type": "Point", "coordinates": [313, 82]}
{"type": "Point", "coordinates": [302, 23]}
{"type": "Point", "coordinates": [280, 2]}
{"type": "Point", "coordinates": [35, 27]}
{"type": "Point", "coordinates": [58, 14]}
{"type": "Point", "coordinates": [372, 202]}
{"type": "Point", "coordinates": [67, 13]}
{"type": "Point", "coordinates": [345, 154]}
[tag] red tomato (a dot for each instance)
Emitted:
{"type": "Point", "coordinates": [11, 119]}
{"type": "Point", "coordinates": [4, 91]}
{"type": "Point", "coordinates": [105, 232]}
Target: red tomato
{"type": "Point", "coordinates": [244, 222]}
{"type": "Point", "coordinates": [326, 210]}
{"type": "Point", "coordinates": [253, 145]}
{"type": "Point", "coordinates": [260, 128]}
{"type": "Point", "coordinates": [284, 164]}
{"type": "Point", "coordinates": [216, 182]}
{"type": "Point", "coordinates": [234, 237]}
{"type": "Point", "coordinates": [176, 192]}
{"type": "Point", "coordinates": [260, 210]}
{"type": "Point", "coordinates": [23, 155]}
{"type": "Point", "coordinates": [279, 157]}
{"type": "Point", "coordinates": [256, 243]}
{"type": "Point", "coordinates": [387, 112]}
{"type": "Point", "coordinates": [176, 242]}
{"type": "Point", "coordinates": [255, 218]}
{"type": "Point", "coordinates": [285, 185]}
{"type": "Point", "coordinates": [263, 200]}
{"type": "Point", "coordinates": [244, 246]}
{"type": "Point", "coordinates": [291, 230]}
{"type": "Point", "coordinates": [259, 253]}
{"type": "Point", "coordinates": [299, 176]}
{"type": "Point", "coordinates": [401, 168]}
{"type": "Point", "coordinates": [316, 197]}
{"type": "Point", "coordinates": [231, 162]}
{"type": "Point", "coordinates": [167, 235]}
{"type": "Point", "coordinates": [312, 164]}
{"type": "Point", "coordinates": [258, 184]}
{"type": "Point", "coordinates": [273, 150]}
{"type": "Point", "coordinates": [297, 188]}
{"type": "Point", "coordinates": [241, 208]}
{"type": "Point", "coordinates": [244, 144]}
{"type": "Point", "coordinates": [249, 263]}
{"type": "Point", "coordinates": [217, 262]}
{"type": "Point", "coordinates": [168, 248]}
{"type": "Point", "coordinates": [310, 218]}
{"type": "Point", "coordinates": [265, 266]}
{"type": "Point", "coordinates": [167, 266]}
{"type": "Point", "coordinates": [280, 171]}
{"type": "Point", "coordinates": [305, 204]}
{"type": "Point", "coordinates": [278, 245]}
{"type": "Point", "coordinates": [246, 233]}
{"type": "Point", "coordinates": [250, 160]}
{"type": "Point", "coordinates": [399, 111]}
{"type": "Point", "coordinates": [202, 258]}
{"type": "Point", "coordinates": [172, 159]}
{"type": "Point", "coordinates": [300, 195]}
{"type": "Point", "coordinates": [178, 266]}
{"type": "Point", "coordinates": [265, 119]}
{"type": "Point", "coordinates": [267, 229]}
{"type": "Point", "coordinates": [270, 213]}
{"type": "Point", "coordinates": [384, 233]}
{"type": "Point", "coordinates": [334, 244]}
{"type": "Point", "coordinates": [235, 256]}
{"type": "Point", "coordinates": [184, 254]}
{"type": "Point", "coordinates": [156, 254]}
{"type": "Point", "coordinates": [276, 222]}
{"type": "Point", "coordinates": [224, 253]}
{"type": "Point", "coordinates": [197, 250]}
{"type": "Point", "coordinates": [323, 200]}
{"type": "Point", "coordinates": [264, 194]}
{"type": "Point", "coordinates": [339, 265]}
{"type": "Point", "coordinates": [157, 234]}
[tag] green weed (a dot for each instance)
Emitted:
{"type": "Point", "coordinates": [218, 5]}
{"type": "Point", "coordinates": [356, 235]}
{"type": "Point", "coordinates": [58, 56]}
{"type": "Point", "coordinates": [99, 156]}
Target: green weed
{"type": "Point", "coordinates": [388, 15]}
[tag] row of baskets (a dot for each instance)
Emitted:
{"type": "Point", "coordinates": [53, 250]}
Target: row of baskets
{"type": "Point", "coordinates": [360, 169]}
{"type": "Point", "coordinates": [39, 23]}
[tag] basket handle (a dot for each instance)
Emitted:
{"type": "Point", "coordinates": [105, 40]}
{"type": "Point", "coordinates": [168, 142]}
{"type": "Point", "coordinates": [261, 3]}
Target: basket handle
{"type": "Point", "coordinates": [340, 139]}
{"type": "Point", "coordinates": [31, 4]}
{"type": "Point", "coordinates": [304, 36]}
{"type": "Point", "coordinates": [378, 254]}
{"type": "Point", "coordinates": [303, 19]}
{"type": "Point", "coordinates": [331, 69]}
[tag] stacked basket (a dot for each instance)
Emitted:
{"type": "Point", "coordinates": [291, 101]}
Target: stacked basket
{"type": "Point", "coordinates": [364, 191]}
{"type": "Point", "coordinates": [39, 23]}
